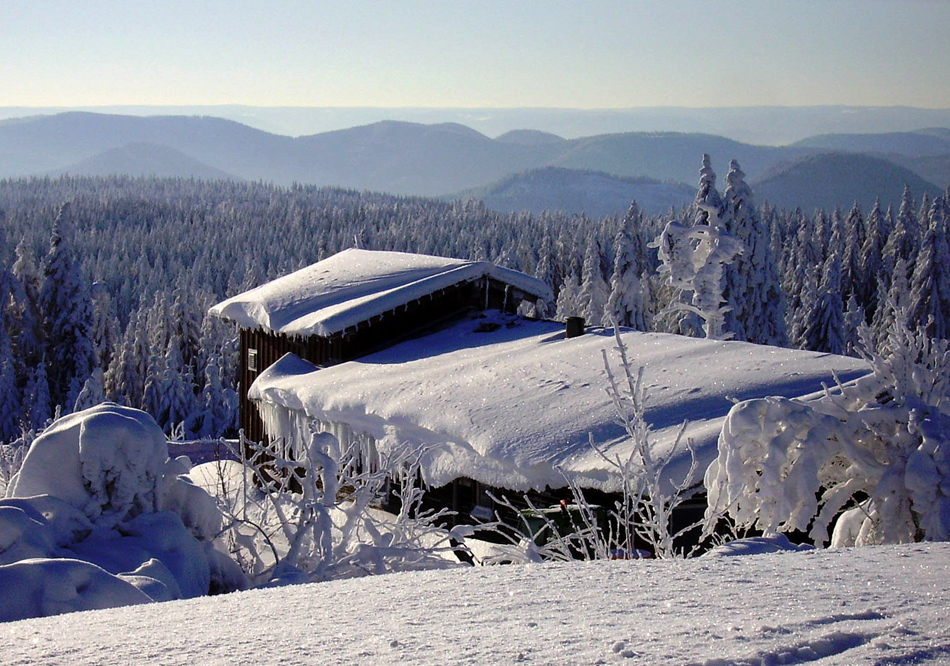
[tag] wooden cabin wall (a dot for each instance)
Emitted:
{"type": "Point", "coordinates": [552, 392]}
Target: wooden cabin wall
{"type": "Point", "coordinates": [269, 348]}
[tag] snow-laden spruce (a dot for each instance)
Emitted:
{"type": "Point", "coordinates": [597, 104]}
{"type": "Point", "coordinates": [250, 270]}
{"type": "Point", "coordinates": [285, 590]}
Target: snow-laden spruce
{"type": "Point", "coordinates": [876, 449]}
{"type": "Point", "coordinates": [693, 260]}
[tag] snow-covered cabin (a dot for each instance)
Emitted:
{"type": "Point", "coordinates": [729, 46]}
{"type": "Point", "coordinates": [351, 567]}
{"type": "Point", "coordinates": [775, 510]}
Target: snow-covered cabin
{"type": "Point", "coordinates": [359, 301]}
{"type": "Point", "coordinates": [498, 400]}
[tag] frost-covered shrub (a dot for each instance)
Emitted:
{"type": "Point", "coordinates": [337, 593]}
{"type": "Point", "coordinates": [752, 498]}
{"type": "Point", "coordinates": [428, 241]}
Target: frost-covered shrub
{"type": "Point", "coordinates": [875, 452]}
{"type": "Point", "coordinates": [648, 495]}
{"type": "Point", "coordinates": [297, 514]}
{"type": "Point", "coordinates": [11, 458]}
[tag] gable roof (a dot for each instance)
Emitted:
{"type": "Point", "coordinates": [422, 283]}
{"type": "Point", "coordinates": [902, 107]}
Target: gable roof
{"type": "Point", "coordinates": [354, 285]}
{"type": "Point", "coordinates": [511, 402]}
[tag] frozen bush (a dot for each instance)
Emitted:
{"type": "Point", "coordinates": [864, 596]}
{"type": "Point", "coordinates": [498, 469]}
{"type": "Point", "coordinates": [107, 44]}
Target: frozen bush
{"type": "Point", "coordinates": [297, 514]}
{"type": "Point", "coordinates": [875, 452]}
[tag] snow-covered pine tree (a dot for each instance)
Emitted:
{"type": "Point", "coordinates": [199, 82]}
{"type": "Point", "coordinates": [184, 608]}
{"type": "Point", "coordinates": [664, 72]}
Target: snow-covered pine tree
{"type": "Point", "coordinates": [159, 324]}
{"type": "Point", "coordinates": [904, 241]}
{"type": "Point", "coordinates": [625, 305]}
{"type": "Point", "coordinates": [680, 256]}
{"type": "Point", "coordinates": [179, 385]}
{"type": "Point", "coordinates": [854, 237]}
{"type": "Point", "coordinates": [806, 301]}
{"type": "Point", "coordinates": [39, 403]}
{"type": "Point", "coordinates": [894, 300]}
{"type": "Point", "coordinates": [125, 377]}
{"type": "Point", "coordinates": [219, 403]}
{"type": "Point", "coordinates": [871, 266]}
{"type": "Point", "coordinates": [186, 321]}
{"type": "Point", "coordinates": [929, 307]}
{"type": "Point", "coordinates": [92, 392]}
{"type": "Point", "coordinates": [923, 215]}
{"type": "Point", "coordinates": [737, 220]}
{"type": "Point", "coordinates": [28, 344]}
{"type": "Point", "coordinates": [103, 325]}
{"type": "Point", "coordinates": [823, 227]}
{"type": "Point", "coordinates": [156, 392]}
{"type": "Point", "coordinates": [10, 401]}
{"type": "Point", "coordinates": [824, 327]}
{"type": "Point", "coordinates": [66, 309]}
{"type": "Point", "coordinates": [752, 280]}
{"type": "Point", "coordinates": [707, 196]}
{"type": "Point", "coordinates": [803, 257]}
{"type": "Point", "coordinates": [568, 297]}
{"type": "Point", "coordinates": [545, 270]}
{"type": "Point", "coordinates": [807, 241]}
{"type": "Point", "coordinates": [693, 260]}
{"type": "Point", "coordinates": [594, 292]}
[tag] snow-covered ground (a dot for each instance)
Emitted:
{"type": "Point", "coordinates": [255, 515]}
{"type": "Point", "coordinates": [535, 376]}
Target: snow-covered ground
{"type": "Point", "coordinates": [875, 605]}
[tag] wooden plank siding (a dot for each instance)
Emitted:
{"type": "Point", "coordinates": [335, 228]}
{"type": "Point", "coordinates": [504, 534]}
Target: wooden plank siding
{"type": "Point", "coordinates": [412, 319]}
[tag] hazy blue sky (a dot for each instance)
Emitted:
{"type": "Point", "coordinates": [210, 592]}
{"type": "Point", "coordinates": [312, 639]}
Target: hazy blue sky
{"type": "Point", "coordinates": [485, 53]}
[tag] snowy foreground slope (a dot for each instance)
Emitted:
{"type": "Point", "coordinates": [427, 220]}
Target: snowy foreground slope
{"type": "Point", "coordinates": [874, 605]}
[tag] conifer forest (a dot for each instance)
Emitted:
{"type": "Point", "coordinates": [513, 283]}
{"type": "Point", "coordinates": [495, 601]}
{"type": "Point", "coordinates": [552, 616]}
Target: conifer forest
{"type": "Point", "coordinates": [106, 282]}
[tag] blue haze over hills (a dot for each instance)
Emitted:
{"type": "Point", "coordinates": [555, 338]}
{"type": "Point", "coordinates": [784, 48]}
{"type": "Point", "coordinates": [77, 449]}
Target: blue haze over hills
{"type": "Point", "coordinates": [534, 165]}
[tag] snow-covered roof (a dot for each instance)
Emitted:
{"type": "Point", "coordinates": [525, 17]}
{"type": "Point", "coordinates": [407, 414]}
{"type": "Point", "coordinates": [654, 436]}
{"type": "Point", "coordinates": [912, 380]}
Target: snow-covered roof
{"type": "Point", "coordinates": [355, 285]}
{"type": "Point", "coordinates": [512, 406]}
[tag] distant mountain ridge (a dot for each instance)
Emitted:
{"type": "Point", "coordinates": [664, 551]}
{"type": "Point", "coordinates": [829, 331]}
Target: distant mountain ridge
{"type": "Point", "coordinates": [413, 159]}
{"type": "Point", "coordinates": [923, 143]}
{"type": "Point", "coordinates": [391, 156]}
{"type": "Point", "coordinates": [838, 179]}
{"type": "Point", "coordinates": [146, 159]}
{"type": "Point", "coordinates": [594, 193]}
{"type": "Point", "coordinates": [765, 125]}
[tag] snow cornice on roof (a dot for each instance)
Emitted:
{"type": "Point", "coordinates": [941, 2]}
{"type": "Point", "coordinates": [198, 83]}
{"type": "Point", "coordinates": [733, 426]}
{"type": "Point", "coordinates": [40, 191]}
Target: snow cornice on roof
{"type": "Point", "coordinates": [351, 287]}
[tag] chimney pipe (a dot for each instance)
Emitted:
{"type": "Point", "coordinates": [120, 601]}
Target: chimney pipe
{"type": "Point", "coordinates": [574, 327]}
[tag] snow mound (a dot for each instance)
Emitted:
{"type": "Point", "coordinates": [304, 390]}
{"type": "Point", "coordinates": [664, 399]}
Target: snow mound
{"type": "Point", "coordinates": [98, 516]}
{"type": "Point", "coordinates": [39, 587]}
{"type": "Point", "coordinates": [877, 605]}
{"type": "Point", "coordinates": [196, 508]}
{"type": "Point", "coordinates": [159, 536]}
{"type": "Point", "coordinates": [107, 461]}
{"type": "Point", "coordinates": [771, 543]}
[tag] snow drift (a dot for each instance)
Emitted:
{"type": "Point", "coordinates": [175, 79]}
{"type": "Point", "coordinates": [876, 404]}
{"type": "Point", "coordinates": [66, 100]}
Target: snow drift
{"type": "Point", "coordinates": [98, 516]}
